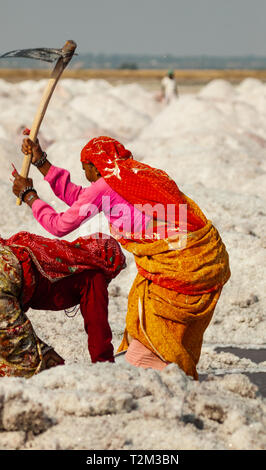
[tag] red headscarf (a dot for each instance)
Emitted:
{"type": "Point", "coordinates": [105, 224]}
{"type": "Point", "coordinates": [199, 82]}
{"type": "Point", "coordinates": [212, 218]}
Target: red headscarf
{"type": "Point", "coordinates": [136, 182]}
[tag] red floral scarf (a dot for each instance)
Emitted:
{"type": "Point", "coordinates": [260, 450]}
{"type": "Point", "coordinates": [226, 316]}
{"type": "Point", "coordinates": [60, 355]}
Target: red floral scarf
{"type": "Point", "coordinates": [59, 258]}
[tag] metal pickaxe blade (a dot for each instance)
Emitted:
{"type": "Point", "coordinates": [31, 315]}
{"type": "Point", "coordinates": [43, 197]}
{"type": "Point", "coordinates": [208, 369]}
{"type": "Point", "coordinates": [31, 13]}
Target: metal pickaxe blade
{"type": "Point", "coordinates": [41, 53]}
{"type": "Point", "coordinates": [63, 57]}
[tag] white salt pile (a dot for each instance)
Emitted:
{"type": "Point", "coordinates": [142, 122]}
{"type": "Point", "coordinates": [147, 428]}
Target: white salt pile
{"type": "Point", "coordinates": [213, 145]}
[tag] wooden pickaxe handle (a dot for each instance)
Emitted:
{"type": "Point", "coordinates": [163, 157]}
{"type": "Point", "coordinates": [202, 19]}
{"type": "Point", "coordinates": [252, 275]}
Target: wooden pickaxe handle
{"type": "Point", "coordinates": [68, 51]}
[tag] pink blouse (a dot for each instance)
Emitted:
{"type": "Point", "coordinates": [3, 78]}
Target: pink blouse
{"type": "Point", "coordinates": [84, 204]}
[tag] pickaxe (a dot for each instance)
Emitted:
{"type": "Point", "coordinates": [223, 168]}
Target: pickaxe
{"type": "Point", "coordinates": [63, 57]}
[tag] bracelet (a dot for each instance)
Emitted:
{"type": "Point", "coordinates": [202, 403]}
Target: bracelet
{"type": "Point", "coordinates": [42, 160]}
{"type": "Point", "coordinates": [25, 191]}
{"type": "Point", "coordinates": [32, 196]}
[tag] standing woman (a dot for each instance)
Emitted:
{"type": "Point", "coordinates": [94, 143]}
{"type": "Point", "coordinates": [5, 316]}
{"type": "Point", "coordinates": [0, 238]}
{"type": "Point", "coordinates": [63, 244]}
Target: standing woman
{"type": "Point", "coordinates": [181, 260]}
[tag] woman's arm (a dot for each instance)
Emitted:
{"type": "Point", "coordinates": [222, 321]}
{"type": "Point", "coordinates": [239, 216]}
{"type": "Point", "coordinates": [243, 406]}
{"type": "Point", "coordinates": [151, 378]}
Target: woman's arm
{"type": "Point", "coordinates": [60, 224]}
{"type": "Point", "coordinates": [58, 178]}
{"type": "Point", "coordinates": [62, 186]}
{"type": "Point", "coordinates": [87, 205]}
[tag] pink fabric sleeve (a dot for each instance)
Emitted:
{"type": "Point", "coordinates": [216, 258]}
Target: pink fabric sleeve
{"type": "Point", "coordinates": [87, 205]}
{"type": "Point", "coordinates": [63, 188]}
{"type": "Point", "coordinates": [84, 204]}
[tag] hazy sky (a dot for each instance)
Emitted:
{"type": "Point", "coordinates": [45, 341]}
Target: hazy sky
{"type": "Point", "coordinates": [179, 27]}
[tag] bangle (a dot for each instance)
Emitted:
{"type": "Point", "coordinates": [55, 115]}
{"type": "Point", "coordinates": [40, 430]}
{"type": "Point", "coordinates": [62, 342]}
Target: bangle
{"type": "Point", "coordinates": [25, 191]}
{"type": "Point", "coordinates": [32, 196]}
{"type": "Point", "coordinates": [41, 161]}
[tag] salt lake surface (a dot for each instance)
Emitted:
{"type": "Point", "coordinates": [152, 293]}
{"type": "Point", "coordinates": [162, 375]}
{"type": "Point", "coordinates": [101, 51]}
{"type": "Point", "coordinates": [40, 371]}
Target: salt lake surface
{"type": "Point", "coordinates": [212, 143]}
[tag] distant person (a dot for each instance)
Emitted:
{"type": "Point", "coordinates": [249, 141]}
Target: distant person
{"type": "Point", "coordinates": [169, 87]}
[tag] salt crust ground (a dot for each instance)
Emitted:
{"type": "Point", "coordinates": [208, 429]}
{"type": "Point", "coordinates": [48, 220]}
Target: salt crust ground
{"type": "Point", "coordinates": [213, 144]}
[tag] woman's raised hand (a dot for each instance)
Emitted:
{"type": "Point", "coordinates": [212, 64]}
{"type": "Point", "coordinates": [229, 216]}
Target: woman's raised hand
{"type": "Point", "coordinates": [29, 147]}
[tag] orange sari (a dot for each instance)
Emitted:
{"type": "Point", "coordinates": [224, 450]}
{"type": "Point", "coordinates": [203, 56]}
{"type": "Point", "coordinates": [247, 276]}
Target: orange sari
{"type": "Point", "coordinates": [174, 294]}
